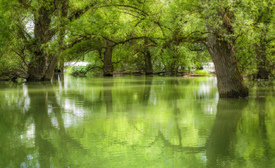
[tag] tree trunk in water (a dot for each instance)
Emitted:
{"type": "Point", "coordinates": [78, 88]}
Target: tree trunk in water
{"type": "Point", "coordinates": [148, 63]}
{"type": "Point", "coordinates": [42, 64]}
{"type": "Point", "coordinates": [108, 64]}
{"type": "Point", "coordinates": [42, 34]}
{"type": "Point", "coordinates": [230, 80]}
{"type": "Point", "coordinates": [37, 69]}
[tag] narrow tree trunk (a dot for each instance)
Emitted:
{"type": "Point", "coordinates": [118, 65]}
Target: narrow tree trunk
{"type": "Point", "coordinates": [173, 66]}
{"type": "Point", "coordinates": [62, 65]}
{"type": "Point", "coordinates": [51, 67]}
{"type": "Point", "coordinates": [262, 64]}
{"type": "Point", "coordinates": [108, 64]}
{"type": "Point", "coordinates": [148, 63]}
{"type": "Point", "coordinates": [230, 80]}
{"type": "Point", "coordinates": [147, 59]}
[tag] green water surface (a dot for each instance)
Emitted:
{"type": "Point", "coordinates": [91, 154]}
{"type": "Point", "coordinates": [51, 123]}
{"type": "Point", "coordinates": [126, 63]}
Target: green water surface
{"type": "Point", "coordinates": [139, 122]}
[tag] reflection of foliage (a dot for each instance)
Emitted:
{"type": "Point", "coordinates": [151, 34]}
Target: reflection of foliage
{"type": "Point", "coordinates": [131, 122]}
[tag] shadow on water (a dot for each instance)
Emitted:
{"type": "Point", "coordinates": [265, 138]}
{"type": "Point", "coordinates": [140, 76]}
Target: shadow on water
{"type": "Point", "coordinates": [221, 141]}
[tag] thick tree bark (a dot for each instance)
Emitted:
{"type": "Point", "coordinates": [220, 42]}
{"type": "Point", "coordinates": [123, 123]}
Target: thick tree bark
{"type": "Point", "coordinates": [42, 34]}
{"type": "Point", "coordinates": [230, 80]}
{"type": "Point", "coordinates": [108, 68]}
{"type": "Point", "coordinates": [37, 69]}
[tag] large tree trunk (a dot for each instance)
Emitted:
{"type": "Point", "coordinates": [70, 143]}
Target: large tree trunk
{"type": "Point", "coordinates": [108, 64]}
{"type": "Point", "coordinates": [230, 80]}
{"type": "Point", "coordinates": [37, 69]}
{"type": "Point", "coordinates": [42, 34]}
{"type": "Point", "coordinates": [43, 64]}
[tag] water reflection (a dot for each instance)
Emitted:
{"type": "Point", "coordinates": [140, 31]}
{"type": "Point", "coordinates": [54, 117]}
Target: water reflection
{"type": "Point", "coordinates": [50, 140]}
{"type": "Point", "coordinates": [147, 89]}
{"type": "Point", "coordinates": [107, 92]}
{"type": "Point", "coordinates": [134, 122]}
{"type": "Point", "coordinates": [261, 104]}
{"type": "Point", "coordinates": [221, 142]}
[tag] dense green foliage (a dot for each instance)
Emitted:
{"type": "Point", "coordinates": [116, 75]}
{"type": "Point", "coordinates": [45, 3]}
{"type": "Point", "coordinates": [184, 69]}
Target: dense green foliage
{"type": "Point", "coordinates": [173, 32]}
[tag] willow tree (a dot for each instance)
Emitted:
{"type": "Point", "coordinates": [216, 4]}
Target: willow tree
{"type": "Point", "coordinates": [220, 44]}
{"type": "Point", "coordinates": [212, 24]}
{"type": "Point", "coordinates": [97, 30]}
{"type": "Point", "coordinates": [39, 31]}
{"type": "Point", "coordinates": [10, 63]}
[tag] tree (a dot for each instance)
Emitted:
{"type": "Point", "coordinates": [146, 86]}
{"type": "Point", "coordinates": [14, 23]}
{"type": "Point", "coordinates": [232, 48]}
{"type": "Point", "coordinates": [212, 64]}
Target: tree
{"type": "Point", "coordinates": [263, 21]}
{"type": "Point", "coordinates": [212, 23]}
{"type": "Point", "coordinates": [38, 33]}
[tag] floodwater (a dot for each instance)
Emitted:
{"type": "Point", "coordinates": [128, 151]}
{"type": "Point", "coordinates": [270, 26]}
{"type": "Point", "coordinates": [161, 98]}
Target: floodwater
{"type": "Point", "coordinates": [134, 122]}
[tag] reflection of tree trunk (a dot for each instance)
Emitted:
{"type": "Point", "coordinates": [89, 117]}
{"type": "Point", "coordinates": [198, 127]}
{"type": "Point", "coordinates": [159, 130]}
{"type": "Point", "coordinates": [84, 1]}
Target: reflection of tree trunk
{"type": "Point", "coordinates": [108, 95]}
{"type": "Point", "coordinates": [147, 89]}
{"type": "Point", "coordinates": [108, 64]}
{"type": "Point", "coordinates": [42, 121]}
{"type": "Point", "coordinates": [39, 102]}
{"type": "Point", "coordinates": [221, 141]}
{"type": "Point", "coordinates": [261, 103]}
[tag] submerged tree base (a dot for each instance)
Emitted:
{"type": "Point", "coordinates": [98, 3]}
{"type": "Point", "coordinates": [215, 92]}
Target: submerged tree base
{"type": "Point", "coordinates": [235, 94]}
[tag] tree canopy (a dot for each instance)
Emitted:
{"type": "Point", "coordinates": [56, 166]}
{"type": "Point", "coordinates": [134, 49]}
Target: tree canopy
{"type": "Point", "coordinates": [146, 36]}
